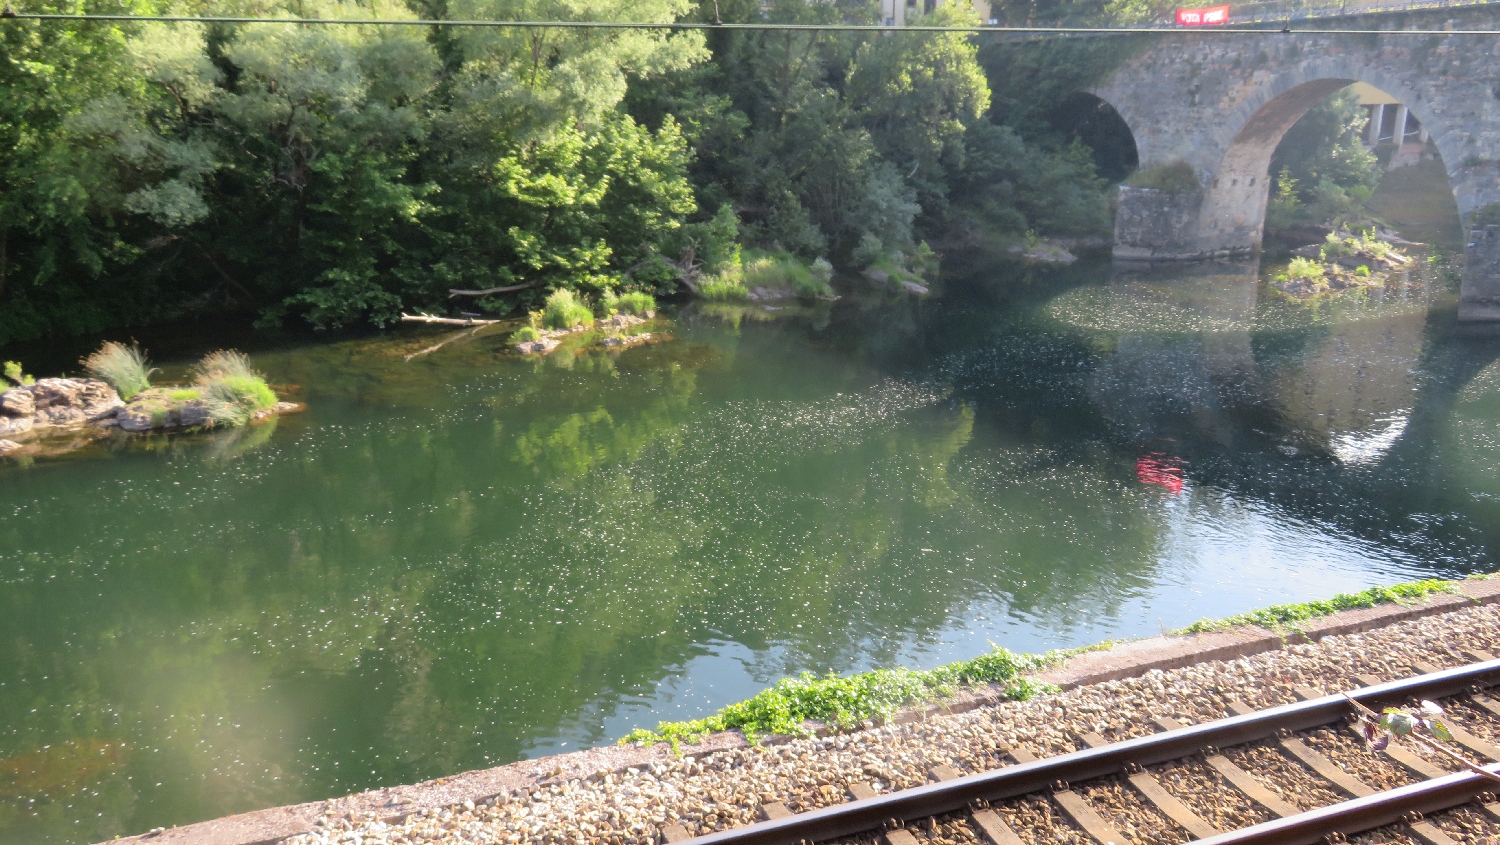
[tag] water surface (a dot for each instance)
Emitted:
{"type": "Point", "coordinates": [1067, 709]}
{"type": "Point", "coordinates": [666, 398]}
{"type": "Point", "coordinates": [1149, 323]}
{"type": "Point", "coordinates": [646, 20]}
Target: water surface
{"type": "Point", "coordinates": [464, 558]}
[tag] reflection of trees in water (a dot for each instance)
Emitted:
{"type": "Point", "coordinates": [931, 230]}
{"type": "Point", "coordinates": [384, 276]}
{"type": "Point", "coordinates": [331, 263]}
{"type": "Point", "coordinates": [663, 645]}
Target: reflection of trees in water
{"type": "Point", "coordinates": [447, 590]}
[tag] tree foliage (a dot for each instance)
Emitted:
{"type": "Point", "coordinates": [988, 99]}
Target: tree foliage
{"type": "Point", "coordinates": [343, 174]}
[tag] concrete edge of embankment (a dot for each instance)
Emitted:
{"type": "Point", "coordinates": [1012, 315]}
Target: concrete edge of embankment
{"type": "Point", "coordinates": [1125, 660]}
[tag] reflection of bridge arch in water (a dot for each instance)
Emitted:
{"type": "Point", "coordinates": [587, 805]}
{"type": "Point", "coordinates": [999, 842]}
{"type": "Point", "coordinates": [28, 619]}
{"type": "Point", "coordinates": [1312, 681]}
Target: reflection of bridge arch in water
{"type": "Point", "coordinates": [1199, 358]}
{"type": "Point", "coordinates": [1345, 422]}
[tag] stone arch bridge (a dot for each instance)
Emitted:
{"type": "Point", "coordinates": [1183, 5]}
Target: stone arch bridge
{"type": "Point", "coordinates": [1220, 103]}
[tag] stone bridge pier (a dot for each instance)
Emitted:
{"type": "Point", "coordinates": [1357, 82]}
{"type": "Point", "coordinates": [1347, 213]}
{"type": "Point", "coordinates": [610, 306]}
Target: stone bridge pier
{"type": "Point", "coordinates": [1218, 104]}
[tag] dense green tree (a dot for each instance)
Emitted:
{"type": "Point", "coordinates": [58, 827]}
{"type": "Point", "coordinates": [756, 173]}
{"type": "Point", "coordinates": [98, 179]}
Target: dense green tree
{"type": "Point", "coordinates": [917, 94]}
{"type": "Point", "coordinates": [95, 165]}
{"type": "Point", "coordinates": [343, 174]}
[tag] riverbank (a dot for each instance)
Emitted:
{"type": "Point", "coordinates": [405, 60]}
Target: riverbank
{"type": "Point", "coordinates": [625, 793]}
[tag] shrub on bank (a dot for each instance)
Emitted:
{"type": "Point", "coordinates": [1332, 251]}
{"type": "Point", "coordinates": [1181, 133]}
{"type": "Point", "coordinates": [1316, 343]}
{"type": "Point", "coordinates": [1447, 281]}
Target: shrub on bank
{"type": "Point", "coordinates": [784, 271]}
{"type": "Point", "coordinates": [564, 311]}
{"type": "Point", "coordinates": [14, 373]}
{"type": "Point", "coordinates": [525, 334]}
{"type": "Point", "coordinates": [631, 302]}
{"type": "Point", "coordinates": [124, 367]}
{"type": "Point", "coordinates": [636, 302]}
{"type": "Point", "coordinates": [724, 287]}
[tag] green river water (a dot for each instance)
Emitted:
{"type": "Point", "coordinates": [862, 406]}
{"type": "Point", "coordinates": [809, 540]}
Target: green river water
{"type": "Point", "coordinates": [467, 558]}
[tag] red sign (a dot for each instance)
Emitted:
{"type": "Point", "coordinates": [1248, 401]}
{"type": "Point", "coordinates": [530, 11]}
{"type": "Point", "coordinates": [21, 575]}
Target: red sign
{"type": "Point", "coordinates": [1203, 17]}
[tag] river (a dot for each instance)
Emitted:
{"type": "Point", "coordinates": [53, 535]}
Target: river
{"type": "Point", "coordinates": [467, 558]}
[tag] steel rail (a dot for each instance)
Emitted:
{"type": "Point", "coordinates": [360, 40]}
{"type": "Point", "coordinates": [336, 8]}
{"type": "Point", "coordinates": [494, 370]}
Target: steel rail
{"type": "Point", "coordinates": [1027, 778]}
{"type": "Point", "coordinates": [1391, 807]}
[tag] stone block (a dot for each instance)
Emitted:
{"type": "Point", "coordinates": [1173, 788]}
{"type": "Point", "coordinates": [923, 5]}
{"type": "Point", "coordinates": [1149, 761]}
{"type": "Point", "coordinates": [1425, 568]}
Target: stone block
{"type": "Point", "coordinates": [1480, 300]}
{"type": "Point", "coordinates": [1153, 224]}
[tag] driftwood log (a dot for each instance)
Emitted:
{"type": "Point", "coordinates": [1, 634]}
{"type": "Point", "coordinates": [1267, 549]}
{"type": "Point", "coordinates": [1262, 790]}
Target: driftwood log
{"type": "Point", "coordinates": [452, 292]}
{"type": "Point", "coordinates": [446, 321]}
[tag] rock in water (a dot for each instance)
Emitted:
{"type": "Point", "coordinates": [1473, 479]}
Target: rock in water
{"type": "Point", "coordinates": [14, 425]}
{"type": "Point", "coordinates": [63, 401]}
{"type": "Point", "coordinates": [155, 408]}
{"type": "Point", "coordinates": [17, 402]}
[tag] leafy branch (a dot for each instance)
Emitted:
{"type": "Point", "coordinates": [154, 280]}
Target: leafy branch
{"type": "Point", "coordinates": [1425, 728]}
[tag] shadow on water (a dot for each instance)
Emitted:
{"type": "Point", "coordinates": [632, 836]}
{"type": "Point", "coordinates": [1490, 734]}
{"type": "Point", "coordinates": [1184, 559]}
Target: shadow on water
{"type": "Point", "coordinates": [461, 558]}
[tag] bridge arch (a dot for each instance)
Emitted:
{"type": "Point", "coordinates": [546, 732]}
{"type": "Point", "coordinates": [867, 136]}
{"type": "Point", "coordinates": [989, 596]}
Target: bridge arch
{"type": "Point", "coordinates": [1220, 105]}
{"type": "Point", "coordinates": [1236, 188]}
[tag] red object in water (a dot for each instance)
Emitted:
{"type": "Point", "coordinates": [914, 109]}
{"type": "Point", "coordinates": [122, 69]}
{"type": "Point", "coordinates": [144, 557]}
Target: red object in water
{"type": "Point", "coordinates": [1156, 468]}
{"type": "Point", "coordinates": [1208, 16]}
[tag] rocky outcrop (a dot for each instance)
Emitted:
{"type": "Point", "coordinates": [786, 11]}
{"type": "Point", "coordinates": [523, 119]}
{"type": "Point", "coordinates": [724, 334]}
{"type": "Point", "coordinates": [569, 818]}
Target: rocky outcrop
{"type": "Point", "coordinates": [277, 410]}
{"type": "Point", "coordinates": [58, 415]}
{"type": "Point", "coordinates": [54, 402]}
{"type": "Point", "coordinates": [159, 408]}
{"type": "Point", "coordinates": [550, 339]}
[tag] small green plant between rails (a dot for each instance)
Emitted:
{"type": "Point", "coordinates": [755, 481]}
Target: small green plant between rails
{"type": "Point", "coordinates": [787, 707]}
{"type": "Point", "coordinates": [1288, 616]}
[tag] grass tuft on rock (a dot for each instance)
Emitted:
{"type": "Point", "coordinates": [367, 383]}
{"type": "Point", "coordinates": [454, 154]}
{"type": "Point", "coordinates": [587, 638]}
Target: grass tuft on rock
{"type": "Point", "coordinates": [234, 392]}
{"type": "Point", "coordinates": [636, 302]}
{"type": "Point", "coordinates": [786, 707]}
{"type": "Point", "coordinates": [124, 367]}
{"type": "Point", "coordinates": [1282, 616]}
{"type": "Point", "coordinates": [564, 310]}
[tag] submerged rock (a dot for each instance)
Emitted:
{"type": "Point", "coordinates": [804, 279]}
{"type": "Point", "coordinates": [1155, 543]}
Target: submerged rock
{"type": "Point", "coordinates": [1048, 251]}
{"type": "Point", "coordinates": [278, 409]}
{"type": "Point", "coordinates": [532, 347]}
{"type": "Point", "coordinates": [9, 446]}
{"type": "Point", "coordinates": [914, 288]}
{"type": "Point", "coordinates": [627, 340]}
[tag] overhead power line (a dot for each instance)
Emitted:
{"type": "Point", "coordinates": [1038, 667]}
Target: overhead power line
{"type": "Point", "coordinates": [1262, 29]}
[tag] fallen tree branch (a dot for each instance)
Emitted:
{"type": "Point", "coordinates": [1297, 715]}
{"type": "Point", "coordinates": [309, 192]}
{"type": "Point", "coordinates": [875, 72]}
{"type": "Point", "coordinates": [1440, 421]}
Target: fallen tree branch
{"type": "Point", "coordinates": [445, 321]}
{"type": "Point", "coordinates": [452, 292]}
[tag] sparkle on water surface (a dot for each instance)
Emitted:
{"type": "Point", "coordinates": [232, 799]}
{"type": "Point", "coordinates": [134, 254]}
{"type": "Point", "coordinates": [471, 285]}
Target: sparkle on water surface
{"type": "Point", "coordinates": [466, 559]}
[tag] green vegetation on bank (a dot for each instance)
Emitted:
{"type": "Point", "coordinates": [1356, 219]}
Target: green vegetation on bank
{"type": "Point", "coordinates": [1282, 616]}
{"type": "Point", "coordinates": [786, 707]}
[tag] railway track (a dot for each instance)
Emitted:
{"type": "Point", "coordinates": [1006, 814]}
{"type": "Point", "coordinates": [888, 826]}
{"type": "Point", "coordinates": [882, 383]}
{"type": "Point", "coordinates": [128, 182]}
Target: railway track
{"type": "Point", "coordinates": [983, 804]}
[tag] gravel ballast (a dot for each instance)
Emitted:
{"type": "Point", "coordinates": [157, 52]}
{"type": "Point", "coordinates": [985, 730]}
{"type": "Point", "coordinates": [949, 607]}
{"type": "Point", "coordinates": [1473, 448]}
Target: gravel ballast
{"type": "Point", "coordinates": [726, 788]}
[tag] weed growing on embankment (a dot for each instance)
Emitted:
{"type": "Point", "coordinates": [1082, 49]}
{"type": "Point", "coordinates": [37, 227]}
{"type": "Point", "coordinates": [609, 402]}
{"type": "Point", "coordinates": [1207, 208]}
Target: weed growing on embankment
{"type": "Point", "coordinates": [1282, 616]}
{"type": "Point", "coordinates": [845, 702]}
{"type": "Point", "coordinates": [787, 707]}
